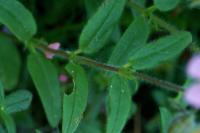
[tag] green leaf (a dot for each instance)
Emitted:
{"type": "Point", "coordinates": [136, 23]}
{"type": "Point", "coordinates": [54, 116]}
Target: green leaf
{"type": "Point", "coordinates": [1, 94]}
{"type": "Point", "coordinates": [89, 126]}
{"type": "Point", "coordinates": [100, 26]}
{"type": "Point", "coordinates": [75, 103]}
{"type": "Point", "coordinates": [134, 38]}
{"type": "Point", "coordinates": [161, 50]}
{"type": "Point", "coordinates": [166, 5]}
{"type": "Point", "coordinates": [10, 63]}
{"type": "Point", "coordinates": [45, 78]}
{"type": "Point", "coordinates": [166, 118]}
{"type": "Point", "coordinates": [119, 104]}
{"type": "Point", "coordinates": [18, 101]}
{"type": "Point", "coordinates": [18, 19]}
{"type": "Point", "coordinates": [141, 3]}
{"type": "Point", "coordinates": [8, 121]}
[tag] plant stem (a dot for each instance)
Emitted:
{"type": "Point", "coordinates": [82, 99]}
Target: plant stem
{"type": "Point", "coordinates": [155, 18]}
{"type": "Point", "coordinates": [89, 62]}
{"type": "Point", "coordinates": [163, 24]}
{"type": "Point", "coordinates": [160, 83]}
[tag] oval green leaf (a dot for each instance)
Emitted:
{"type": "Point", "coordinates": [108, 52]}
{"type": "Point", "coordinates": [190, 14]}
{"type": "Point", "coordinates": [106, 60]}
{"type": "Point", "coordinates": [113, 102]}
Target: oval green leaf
{"type": "Point", "coordinates": [119, 105]}
{"type": "Point", "coordinates": [18, 101]}
{"type": "Point", "coordinates": [100, 26]}
{"type": "Point", "coordinates": [134, 38]}
{"type": "Point", "coordinates": [10, 63]}
{"type": "Point", "coordinates": [166, 5]}
{"type": "Point", "coordinates": [161, 50]}
{"type": "Point", "coordinates": [45, 78]}
{"type": "Point", "coordinates": [18, 19]}
{"type": "Point", "coordinates": [75, 103]}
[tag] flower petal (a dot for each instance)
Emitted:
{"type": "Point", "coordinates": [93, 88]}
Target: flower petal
{"type": "Point", "coordinates": [63, 78]}
{"type": "Point", "coordinates": [54, 46]}
{"type": "Point", "coordinates": [193, 67]}
{"type": "Point", "coordinates": [192, 95]}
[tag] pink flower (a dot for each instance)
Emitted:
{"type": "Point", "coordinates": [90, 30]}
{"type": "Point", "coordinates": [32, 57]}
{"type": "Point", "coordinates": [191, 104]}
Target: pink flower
{"type": "Point", "coordinates": [63, 78]}
{"type": "Point", "coordinates": [192, 95]}
{"type": "Point", "coordinates": [193, 67]}
{"type": "Point", "coordinates": [54, 46]}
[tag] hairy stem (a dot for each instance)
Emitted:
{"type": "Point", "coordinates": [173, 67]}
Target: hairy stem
{"type": "Point", "coordinates": [89, 62]}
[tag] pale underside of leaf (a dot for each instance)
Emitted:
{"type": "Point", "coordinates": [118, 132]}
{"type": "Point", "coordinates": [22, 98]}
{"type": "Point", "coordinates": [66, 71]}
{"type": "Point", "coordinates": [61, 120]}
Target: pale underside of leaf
{"type": "Point", "coordinates": [18, 101]}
